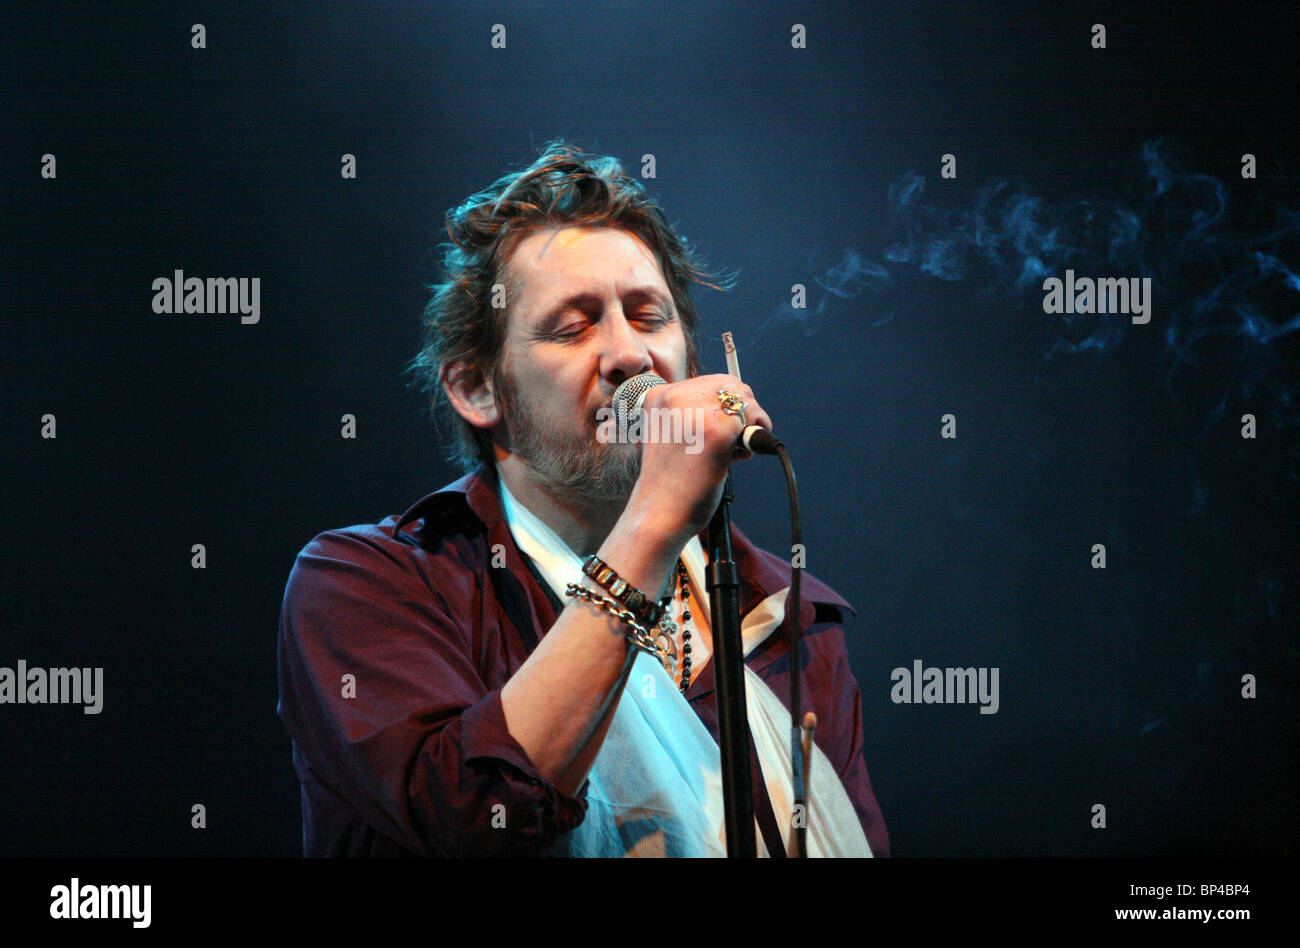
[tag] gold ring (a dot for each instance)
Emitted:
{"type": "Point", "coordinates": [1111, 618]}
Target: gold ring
{"type": "Point", "coordinates": [733, 404]}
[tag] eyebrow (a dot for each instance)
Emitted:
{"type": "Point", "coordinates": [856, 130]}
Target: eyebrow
{"type": "Point", "coordinates": [552, 316]}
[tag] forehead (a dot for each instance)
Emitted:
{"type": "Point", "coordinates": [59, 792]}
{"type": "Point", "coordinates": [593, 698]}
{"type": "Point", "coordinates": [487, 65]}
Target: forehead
{"type": "Point", "coordinates": [566, 260]}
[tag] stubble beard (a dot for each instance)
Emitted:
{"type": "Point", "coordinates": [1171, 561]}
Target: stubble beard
{"type": "Point", "coordinates": [577, 470]}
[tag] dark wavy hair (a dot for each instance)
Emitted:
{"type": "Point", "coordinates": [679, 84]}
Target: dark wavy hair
{"type": "Point", "coordinates": [564, 186]}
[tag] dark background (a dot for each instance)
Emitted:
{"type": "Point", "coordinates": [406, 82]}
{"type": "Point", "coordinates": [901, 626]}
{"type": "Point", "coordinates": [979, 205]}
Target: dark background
{"type": "Point", "coordinates": [817, 166]}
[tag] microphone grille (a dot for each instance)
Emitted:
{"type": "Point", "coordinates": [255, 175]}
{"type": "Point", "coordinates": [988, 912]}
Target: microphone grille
{"type": "Point", "coordinates": [629, 396]}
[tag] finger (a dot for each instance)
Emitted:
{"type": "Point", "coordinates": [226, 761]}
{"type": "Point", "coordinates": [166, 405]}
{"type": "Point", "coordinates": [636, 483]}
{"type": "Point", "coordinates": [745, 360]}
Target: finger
{"type": "Point", "coordinates": [757, 416]}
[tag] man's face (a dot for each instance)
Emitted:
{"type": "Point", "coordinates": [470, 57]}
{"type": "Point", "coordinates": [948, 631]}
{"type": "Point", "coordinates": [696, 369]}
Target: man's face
{"type": "Point", "coordinates": [589, 308]}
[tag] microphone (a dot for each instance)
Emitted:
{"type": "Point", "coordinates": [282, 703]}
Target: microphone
{"type": "Point", "coordinates": [629, 399]}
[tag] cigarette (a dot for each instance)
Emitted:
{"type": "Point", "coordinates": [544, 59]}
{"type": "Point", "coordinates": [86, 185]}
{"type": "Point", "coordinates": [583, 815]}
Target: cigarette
{"type": "Point", "coordinates": [733, 364]}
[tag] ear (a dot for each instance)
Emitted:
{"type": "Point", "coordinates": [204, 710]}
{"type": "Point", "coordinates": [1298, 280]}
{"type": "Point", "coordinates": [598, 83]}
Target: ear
{"type": "Point", "coordinates": [470, 392]}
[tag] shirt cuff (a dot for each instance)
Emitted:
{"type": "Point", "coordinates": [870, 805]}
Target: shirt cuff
{"type": "Point", "coordinates": [484, 734]}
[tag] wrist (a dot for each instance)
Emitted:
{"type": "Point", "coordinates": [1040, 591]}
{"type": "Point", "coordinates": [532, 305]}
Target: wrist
{"type": "Point", "coordinates": [654, 528]}
{"type": "Point", "coordinates": [643, 551]}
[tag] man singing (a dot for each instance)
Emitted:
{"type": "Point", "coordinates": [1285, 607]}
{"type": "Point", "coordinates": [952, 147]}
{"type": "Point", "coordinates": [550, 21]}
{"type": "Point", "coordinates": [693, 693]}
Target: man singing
{"type": "Point", "coordinates": [519, 664]}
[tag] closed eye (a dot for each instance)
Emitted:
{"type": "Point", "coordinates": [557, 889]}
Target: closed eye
{"type": "Point", "coordinates": [654, 319]}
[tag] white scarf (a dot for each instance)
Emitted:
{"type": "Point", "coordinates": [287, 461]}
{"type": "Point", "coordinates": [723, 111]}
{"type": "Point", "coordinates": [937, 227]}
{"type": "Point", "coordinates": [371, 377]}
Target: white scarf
{"type": "Point", "coordinates": [655, 788]}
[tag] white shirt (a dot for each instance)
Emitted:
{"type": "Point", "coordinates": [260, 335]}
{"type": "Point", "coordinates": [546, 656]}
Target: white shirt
{"type": "Point", "coordinates": [655, 788]}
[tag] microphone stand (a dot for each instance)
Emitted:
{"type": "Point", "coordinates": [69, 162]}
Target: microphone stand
{"type": "Point", "coordinates": [723, 581]}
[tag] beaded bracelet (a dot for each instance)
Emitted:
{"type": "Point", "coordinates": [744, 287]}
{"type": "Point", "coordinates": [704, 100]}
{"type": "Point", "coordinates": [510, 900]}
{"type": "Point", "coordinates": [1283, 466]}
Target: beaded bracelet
{"type": "Point", "coordinates": [646, 610]}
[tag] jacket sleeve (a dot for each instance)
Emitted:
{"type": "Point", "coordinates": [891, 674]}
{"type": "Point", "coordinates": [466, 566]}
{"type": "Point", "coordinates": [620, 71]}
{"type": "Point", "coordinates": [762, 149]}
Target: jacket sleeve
{"type": "Point", "coordinates": [846, 740]}
{"type": "Point", "coordinates": [382, 699]}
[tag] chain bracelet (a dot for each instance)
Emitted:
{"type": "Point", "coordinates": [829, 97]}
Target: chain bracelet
{"type": "Point", "coordinates": [639, 635]}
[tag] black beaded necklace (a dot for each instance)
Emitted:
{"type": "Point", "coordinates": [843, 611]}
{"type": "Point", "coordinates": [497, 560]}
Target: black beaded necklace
{"type": "Point", "coordinates": [685, 593]}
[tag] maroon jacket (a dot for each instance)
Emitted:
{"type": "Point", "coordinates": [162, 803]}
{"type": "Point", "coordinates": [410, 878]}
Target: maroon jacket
{"type": "Point", "coordinates": [411, 755]}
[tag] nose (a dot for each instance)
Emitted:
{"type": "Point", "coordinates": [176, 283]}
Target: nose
{"type": "Point", "coordinates": [624, 353]}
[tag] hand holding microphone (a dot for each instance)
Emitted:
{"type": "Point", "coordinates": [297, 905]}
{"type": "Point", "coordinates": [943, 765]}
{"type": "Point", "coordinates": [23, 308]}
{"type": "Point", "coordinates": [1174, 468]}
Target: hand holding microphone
{"type": "Point", "coordinates": [629, 401]}
{"type": "Point", "coordinates": [679, 488]}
